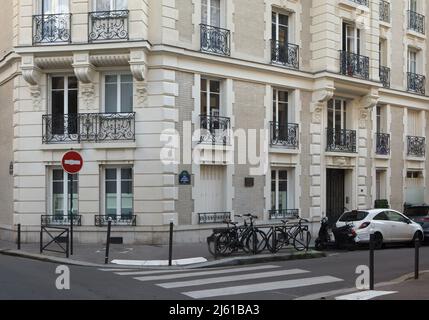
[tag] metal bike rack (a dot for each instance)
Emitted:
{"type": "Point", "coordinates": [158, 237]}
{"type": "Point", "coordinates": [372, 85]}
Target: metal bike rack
{"type": "Point", "coordinates": [55, 239]}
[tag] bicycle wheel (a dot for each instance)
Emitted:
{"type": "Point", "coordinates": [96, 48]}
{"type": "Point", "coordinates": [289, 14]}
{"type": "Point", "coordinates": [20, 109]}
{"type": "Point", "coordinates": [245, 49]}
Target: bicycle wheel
{"type": "Point", "coordinates": [281, 240]}
{"type": "Point", "coordinates": [301, 241]}
{"type": "Point", "coordinates": [225, 244]}
{"type": "Point", "coordinates": [256, 241]}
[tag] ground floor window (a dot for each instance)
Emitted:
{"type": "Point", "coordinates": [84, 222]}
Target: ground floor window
{"type": "Point", "coordinates": [380, 184]}
{"type": "Point", "coordinates": [279, 190]}
{"type": "Point", "coordinates": [118, 192]}
{"type": "Point", "coordinates": [61, 192]}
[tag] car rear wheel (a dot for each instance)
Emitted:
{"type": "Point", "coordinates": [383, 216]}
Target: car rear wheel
{"type": "Point", "coordinates": [417, 236]}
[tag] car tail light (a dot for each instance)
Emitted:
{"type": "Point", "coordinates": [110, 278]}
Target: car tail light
{"type": "Point", "coordinates": [364, 225]}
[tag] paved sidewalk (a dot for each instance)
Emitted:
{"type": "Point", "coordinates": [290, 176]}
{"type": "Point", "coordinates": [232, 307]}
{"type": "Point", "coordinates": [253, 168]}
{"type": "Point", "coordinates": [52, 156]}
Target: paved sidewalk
{"type": "Point", "coordinates": [408, 290]}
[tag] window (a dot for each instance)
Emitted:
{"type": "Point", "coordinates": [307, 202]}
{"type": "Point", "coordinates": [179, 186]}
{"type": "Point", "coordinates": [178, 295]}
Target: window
{"type": "Point", "coordinates": [413, 6]}
{"type": "Point", "coordinates": [279, 190]}
{"type": "Point", "coordinates": [414, 127]}
{"type": "Point", "coordinates": [61, 193]}
{"type": "Point", "coordinates": [118, 192]}
{"type": "Point", "coordinates": [280, 28]}
{"type": "Point", "coordinates": [210, 97]}
{"type": "Point", "coordinates": [53, 6]}
{"type": "Point", "coordinates": [382, 216]}
{"type": "Point", "coordinates": [414, 175]}
{"type": "Point", "coordinates": [337, 116]}
{"type": "Point", "coordinates": [412, 61]}
{"type": "Point", "coordinates": [210, 12]}
{"type": "Point", "coordinates": [110, 5]}
{"type": "Point", "coordinates": [396, 217]}
{"type": "Point", "coordinates": [280, 107]}
{"type": "Point", "coordinates": [118, 93]}
{"type": "Point", "coordinates": [383, 52]}
{"type": "Point", "coordinates": [380, 184]}
{"type": "Point", "coordinates": [64, 104]}
{"type": "Point", "coordinates": [351, 38]}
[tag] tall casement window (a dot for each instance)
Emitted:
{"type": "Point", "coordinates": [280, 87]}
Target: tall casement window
{"type": "Point", "coordinates": [64, 105]}
{"type": "Point", "coordinates": [413, 6]}
{"type": "Point", "coordinates": [118, 93]}
{"type": "Point", "coordinates": [280, 107]}
{"type": "Point", "coordinates": [53, 6]}
{"type": "Point", "coordinates": [280, 28]}
{"type": "Point", "coordinates": [351, 38]}
{"type": "Point", "coordinates": [210, 97]}
{"type": "Point", "coordinates": [282, 50]}
{"type": "Point", "coordinates": [339, 138]}
{"type": "Point", "coordinates": [51, 23]}
{"type": "Point", "coordinates": [110, 5]}
{"type": "Point", "coordinates": [279, 190]}
{"type": "Point", "coordinates": [412, 61]}
{"type": "Point", "coordinates": [60, 193]}
{"type": "Point", "coordinates": [210, 13]}
{"type": "Point", "coordinates": [119, 192]}
{"type": "Point", "coordinates": [337, 114]}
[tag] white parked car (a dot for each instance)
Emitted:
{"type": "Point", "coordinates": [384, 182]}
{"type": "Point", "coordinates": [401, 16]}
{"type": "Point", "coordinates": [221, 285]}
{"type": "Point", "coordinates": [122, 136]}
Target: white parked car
{"type": "Point", "coordinates": [389, 226]}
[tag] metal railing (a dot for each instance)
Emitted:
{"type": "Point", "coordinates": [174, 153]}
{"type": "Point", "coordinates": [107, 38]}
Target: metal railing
{"type": "Point", "coordinates": [382, 144]}
{"type": "Point", "coordinates": [283, 214]}
{"type": "Point", "coordinates": [213, 217]}
{"type": "Point", "coordinates": [385, 76]}
{"type": "Point", "coordinates": [286, 54]}
{"type": "Point", "coordinates": [215, 129]}
{"type": "Point", "coordinates": [51, 28]}
{"type": "Point", "coordinates": [92, 127]}
{"type": "Point", "coordinates": [416, 83]}
{"type": "Point", "coordinates": [416, 146]}
{"type": "Point", "coordinates": [361, 2]}
{"type": "Point", "coordinates": [285, 135]}
{"type": "Point", "coordinates": [354, 65]}
{"type": "Point", "coordinates": [108, 25]}
{"type": "Point", "coordinates": [341, 140]}
{"type": "Point", "coordinates": [60, 220]}
{"type": "Point", "coordinates": [384, 11]}
{"type": "Point", "coordinates": [215, 40]}
{"type": "Point", "coordinates": [416, 22]}
{"type": "Point", "coordinates": [121, 220]}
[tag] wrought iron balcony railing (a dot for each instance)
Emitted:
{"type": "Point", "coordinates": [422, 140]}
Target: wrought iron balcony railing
{"type": "Point", "coordinates": [213, 217]}
{"type": "Point", "coordinates": [108, 25]}
{"type": "Point", "coordinates": [354, 65]}
{"type": "Point", "coordinates": [382, 144]}
{"type": "Point", "coordinates": [361, 2]}
{"type": "Point", "coordinates": [416, 83]}
{"type": "Point", "coordinates": [285, 135]}
{"type": "Point", "coordinates": [341, 140]}
{"type": "Point", "coordinates": [215, 129]}
{"type": "Point", "coordinates": [60, 220]}
{"type": "Point", "coordinates": [384, 11]}
{"type": "Point", "coordinates": [215, 40]}
{"type": "Point", "coordinates": [91, 127]}
{"type": "Point", "coordinates": [286, 54]}
{"type": "Point", "coordinates": [385, 76]}
{"type": "Point", "coordinates": [416, 22]}
{"type": "Point", "coordinates": [416, 146]}
{"type": "Point", "coordinates": [122, 220]}
{"type": "Point", "coordinates": [284, 214]}
{"type": "Point", "coordinates": [51, 28]}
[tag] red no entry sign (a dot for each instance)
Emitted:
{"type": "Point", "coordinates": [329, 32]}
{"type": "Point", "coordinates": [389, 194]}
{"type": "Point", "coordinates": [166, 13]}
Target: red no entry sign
{"type": "Point", "coordinates": [72, 162]}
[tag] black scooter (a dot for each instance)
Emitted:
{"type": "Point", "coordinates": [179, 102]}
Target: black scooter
{"type": "Point", "coordinates": [344, 237]}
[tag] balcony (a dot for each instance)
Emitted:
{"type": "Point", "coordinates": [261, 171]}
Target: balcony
{"type": "Point", "coordinates": [51, 28]}
{"type": "Point", "coordinates": [215, 130]}
{"type": "Point", "coordinates": [286, 136]}
{"type": "Point", "coordinates": [416, 146]}
{"type": "Point", "coordinates": [384, 11]}
{"type": "Point", "coordinates": [283, 214]}
{"type": "Point", "coordinates": [354, 65]}
{"type": "Point", "coordinates": [385, 76]}
{"type": "Point", "coordinates": [341, 140]}
{"type": "Point", "coordinates": [286, 54]}
{"type": "Point", "coordinates": [121, 220]}
{"type": "Point", "coordinates": [108, 25]}
{"type": "Point", "coordinates": [215, 40]}
{"type": "Point", "coordinates": [382, 147]}
{"type": "Point", "coordinates": [416, 83]}
{"type": "Point", "coordinates": [213, 217]}
{"type": "Point", "coordinates": [90, 127]}
{"type": "Point", "coordinates": [416, 22]}
{"type": "Point", "coordinates": [60, 220]}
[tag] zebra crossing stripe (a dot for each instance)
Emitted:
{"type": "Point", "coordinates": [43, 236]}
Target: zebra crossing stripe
{"type": "Point", "coordinates": [113, 270]}
{"type": "Point", "coordinates": [259, 287]}
{"type": "Point", "coordinates": [233, 278]}
{"type": "Point", "coordinates": [365, 295]}
{"type": "Point", "coordinates": [203, 273]}
{"type": "Point", "coordinates": [143, 273]}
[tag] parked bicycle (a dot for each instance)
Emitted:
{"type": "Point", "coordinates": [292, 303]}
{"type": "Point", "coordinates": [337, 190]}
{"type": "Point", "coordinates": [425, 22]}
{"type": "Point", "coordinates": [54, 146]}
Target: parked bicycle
{"type": "Point", "coordinates": [282, 236]}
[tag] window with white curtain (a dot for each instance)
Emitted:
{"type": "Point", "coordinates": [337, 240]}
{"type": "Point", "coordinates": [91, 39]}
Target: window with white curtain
{"type": "Point", "coordinates": [118, 93]}
{"type": "Point", "coordinates": [210, 12]}
{"type": "Point", "coordinates": [53, 6]}
{"type": "Point", "coordinates": [110, 5]}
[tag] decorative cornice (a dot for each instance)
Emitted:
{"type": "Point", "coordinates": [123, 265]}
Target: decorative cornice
{"type": "Point", "coordinates": [63, 62]}
{"type": "Point", "coordinates": [107, 60]}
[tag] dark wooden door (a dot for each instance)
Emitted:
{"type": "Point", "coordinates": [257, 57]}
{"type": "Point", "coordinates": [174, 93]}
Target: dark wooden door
{"type": "Point", "coordinates": [334, 194]}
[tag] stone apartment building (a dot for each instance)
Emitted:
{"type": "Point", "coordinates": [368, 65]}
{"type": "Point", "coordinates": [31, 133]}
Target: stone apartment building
{"type": "Point", "coordinates": [337, 86]}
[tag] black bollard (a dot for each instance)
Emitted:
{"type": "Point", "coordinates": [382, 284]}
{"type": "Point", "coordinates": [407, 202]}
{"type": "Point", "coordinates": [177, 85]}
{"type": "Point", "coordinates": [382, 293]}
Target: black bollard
{"type": "Point", "coordinates": [109, 227]}
{"type": "Point", "coordinates": [416, 259]}
{"type": "Point", "coordinates": [19, 236]}
{"type": "Point", "coordinates": [170, 244]}
{"type": "Point", "coordinates": [68, 244]}
{"type": "Point", "coordinates": [371, 261]}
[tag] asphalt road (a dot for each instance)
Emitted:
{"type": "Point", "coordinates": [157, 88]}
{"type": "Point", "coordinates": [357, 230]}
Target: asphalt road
{"type": "Point", "coordinates": [29, 279]}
